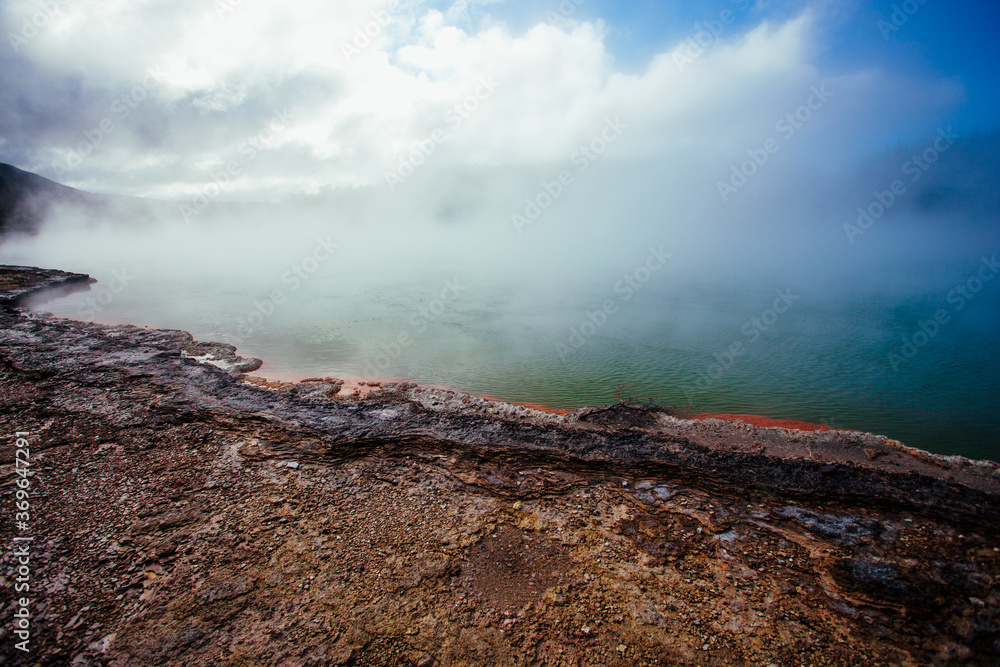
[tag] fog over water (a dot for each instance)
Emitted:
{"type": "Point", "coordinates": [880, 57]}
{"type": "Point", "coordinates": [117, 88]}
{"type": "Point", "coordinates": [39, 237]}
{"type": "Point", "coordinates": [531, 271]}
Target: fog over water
{"type": "Point", "coordinates": [508, 203]}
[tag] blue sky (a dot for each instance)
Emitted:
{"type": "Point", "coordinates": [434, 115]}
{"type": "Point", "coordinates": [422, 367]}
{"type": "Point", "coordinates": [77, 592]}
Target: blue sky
{"type": "Point", "coordinates": [939, 39]}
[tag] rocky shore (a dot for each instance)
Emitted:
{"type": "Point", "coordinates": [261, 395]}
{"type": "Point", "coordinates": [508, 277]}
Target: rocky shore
{"type": "Point", "coordinates": [183, 512]}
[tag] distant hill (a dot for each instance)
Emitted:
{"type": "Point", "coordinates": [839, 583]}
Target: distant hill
{"type": "Point", "coordinates": [26, 199]}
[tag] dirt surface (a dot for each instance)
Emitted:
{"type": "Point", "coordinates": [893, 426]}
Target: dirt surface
{"type": "Point", "coordinates": [184, 513]}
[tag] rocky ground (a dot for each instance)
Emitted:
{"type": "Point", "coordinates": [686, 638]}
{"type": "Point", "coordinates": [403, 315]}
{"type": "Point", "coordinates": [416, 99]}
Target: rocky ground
{"type": "Point", "coordinates": [184, 513]}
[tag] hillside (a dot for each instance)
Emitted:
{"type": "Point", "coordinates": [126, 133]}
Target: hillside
{"type": "Point", "coordinates": [26, 199]}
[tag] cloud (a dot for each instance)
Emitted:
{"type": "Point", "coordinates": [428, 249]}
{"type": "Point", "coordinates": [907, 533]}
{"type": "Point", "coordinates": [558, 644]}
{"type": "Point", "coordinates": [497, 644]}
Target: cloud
{"type": "Point", "coordinates": [225, 69]}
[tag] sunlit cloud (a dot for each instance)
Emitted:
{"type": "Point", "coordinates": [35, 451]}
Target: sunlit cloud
{"type": "Point", "coordinates": [224, 73]}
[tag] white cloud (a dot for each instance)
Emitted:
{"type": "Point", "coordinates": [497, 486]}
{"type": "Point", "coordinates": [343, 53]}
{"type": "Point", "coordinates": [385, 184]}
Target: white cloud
{"type": "Point", "coordinates": [226, 75]}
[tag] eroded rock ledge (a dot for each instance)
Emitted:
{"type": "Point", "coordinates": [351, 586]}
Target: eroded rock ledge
{"type": "Point", "coordinates": [184, 514]}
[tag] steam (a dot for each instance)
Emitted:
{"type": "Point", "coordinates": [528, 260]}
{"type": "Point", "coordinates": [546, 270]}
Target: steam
{"type": "Point", "coordinates": [522, 163]}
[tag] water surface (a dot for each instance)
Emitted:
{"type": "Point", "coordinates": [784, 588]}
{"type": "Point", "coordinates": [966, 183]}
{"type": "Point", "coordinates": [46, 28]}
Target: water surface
{"type": "Point", "coordinates": [825, 360]}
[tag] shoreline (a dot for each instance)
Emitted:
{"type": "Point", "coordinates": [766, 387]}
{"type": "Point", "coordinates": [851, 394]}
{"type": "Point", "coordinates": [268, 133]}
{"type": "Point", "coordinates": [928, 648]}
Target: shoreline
{"type": "Point", "coordinates": [224, 356]}
{"type": "Point", "coordinates": [364, 385]}
{"type": "Point", "coordinates": [64, 283]}
{"type": "Point", "coordinates": [360, 387]}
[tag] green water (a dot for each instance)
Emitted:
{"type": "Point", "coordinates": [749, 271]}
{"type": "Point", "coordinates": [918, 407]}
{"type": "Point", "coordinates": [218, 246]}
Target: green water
{"type": "Point", "coordinates": [825, 360]}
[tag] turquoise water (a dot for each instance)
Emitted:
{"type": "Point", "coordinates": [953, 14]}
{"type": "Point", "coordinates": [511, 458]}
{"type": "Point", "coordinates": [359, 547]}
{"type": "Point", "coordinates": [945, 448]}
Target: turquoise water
{"type": "Point", "coordinates": [824, 359]}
